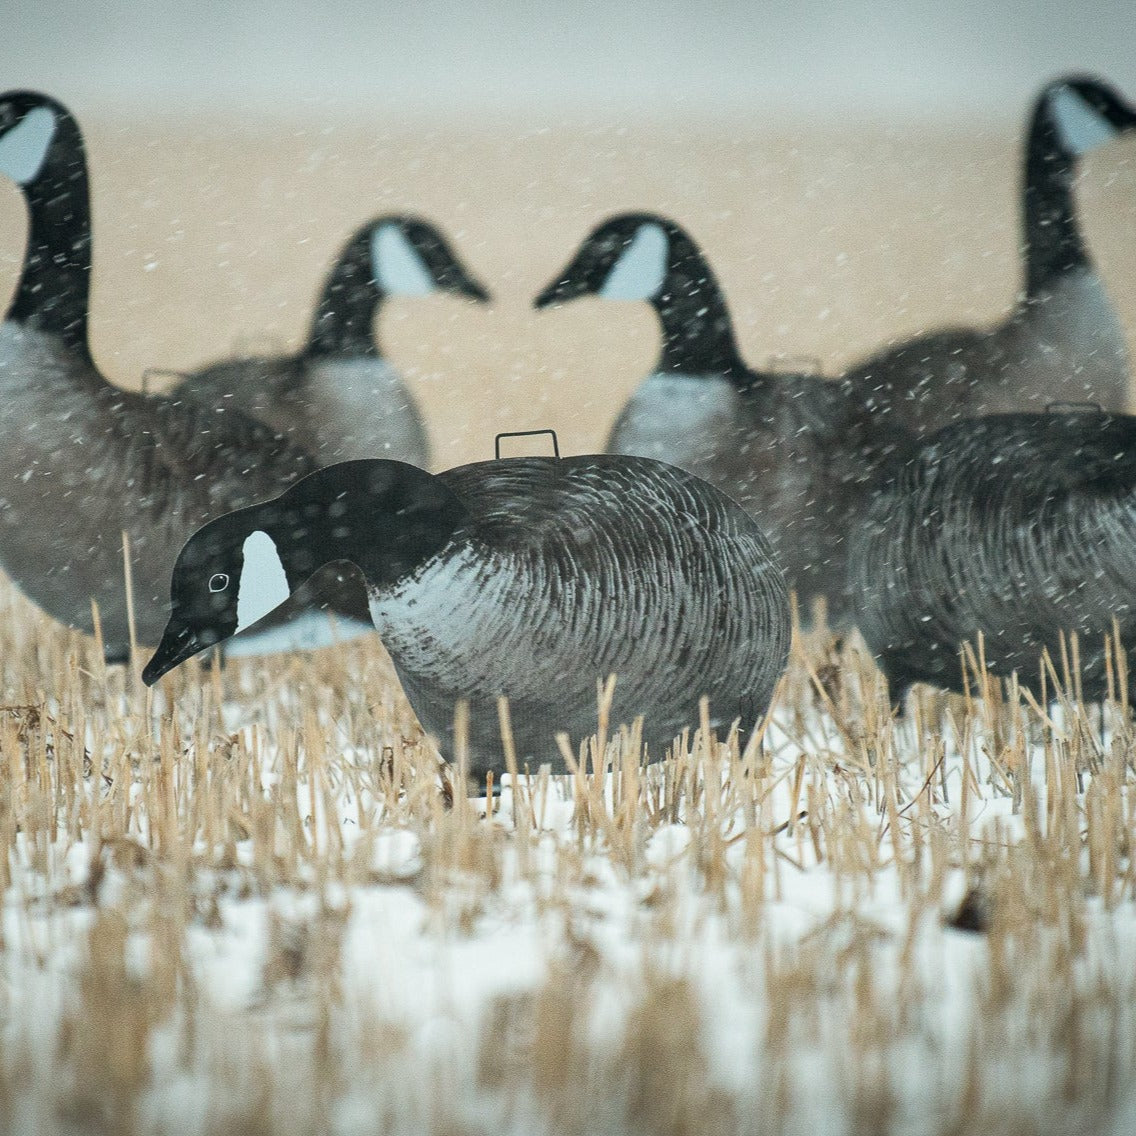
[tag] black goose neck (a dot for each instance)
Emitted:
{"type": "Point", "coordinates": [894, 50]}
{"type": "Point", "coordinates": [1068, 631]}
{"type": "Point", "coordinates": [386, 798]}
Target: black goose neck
{"type": "Point", "coordinates": [385, 517]}
{"type": "Point", "coordinates": [54, 289]}
{"type": "Point", "coordinates": [1052, 239]}
{"type": "Point", "coordinates": [343, 324]}
{"type": "Point", "coordinates": [698, 334]}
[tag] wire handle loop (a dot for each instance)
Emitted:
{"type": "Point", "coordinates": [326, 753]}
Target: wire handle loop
{"type": "Point", "coordinates": [525, 434]}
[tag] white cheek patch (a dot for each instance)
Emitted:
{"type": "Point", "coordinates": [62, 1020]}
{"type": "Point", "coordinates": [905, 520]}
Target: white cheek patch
{"type": "Point", "coordinates": [641, 269]}
{"type": "Point", "coordinates": [1081, 128]}
{"type": "Point", "coordinates": [397, 264]}
{"type": "Point", "coordinates": [263, 585]}
{"type": "Point", "coordinates": [24, 148]}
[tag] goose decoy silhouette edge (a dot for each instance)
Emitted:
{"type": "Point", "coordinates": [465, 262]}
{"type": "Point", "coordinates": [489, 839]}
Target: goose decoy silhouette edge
{"type": "Point", "coordinates": [528, 578]}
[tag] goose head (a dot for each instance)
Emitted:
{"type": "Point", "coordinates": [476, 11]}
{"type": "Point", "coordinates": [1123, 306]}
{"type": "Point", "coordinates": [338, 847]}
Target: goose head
{"type": "Point", "coordinates": [385, 517]}
{"type": "Point", "coordinates": [648, 258]}
{"type": "Point", "coordinates": [30, 125]}
{"type": "Point", "coordinates": [396, 255]}
{"type": "Point", "coordinates": [41, 150]}
{"type": "Point", "coordinates": [627, 257]}
{"type": "Point", "coordinates": [1078, 114]}
{"type": "Point", "coordinates": [410, 257]}
{"type": "Point", "coordinates": [228, 576]}
{"type": "Point", "coordinates": [1071, 117]}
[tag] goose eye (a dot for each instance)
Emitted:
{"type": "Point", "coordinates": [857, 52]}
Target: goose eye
{"type": "Point", "coordinates": [218, 582]}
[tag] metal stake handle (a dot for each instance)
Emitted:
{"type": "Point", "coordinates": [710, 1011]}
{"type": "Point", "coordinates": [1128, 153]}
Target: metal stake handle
{"type": "Point", "coordinates": [524, 434]}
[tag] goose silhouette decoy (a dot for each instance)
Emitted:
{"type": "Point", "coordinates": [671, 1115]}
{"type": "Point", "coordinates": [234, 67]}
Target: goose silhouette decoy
{"type": "Point", "coordinates": [529, 578]}
{"type": "Point", "coordinates": [797, 451]}
{"type": "Point", "coordinates": [82, 461]}
{"type": "Point", "coordinates": [339, 398]}
{"type": "Point", "coordinates": [1063, 339]}
{"type": "Point", "coordinates": [1018, 526]}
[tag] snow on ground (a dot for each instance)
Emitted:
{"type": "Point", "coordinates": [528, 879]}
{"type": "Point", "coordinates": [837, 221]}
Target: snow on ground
{"type": "Point", "coordinates": [263, 912]}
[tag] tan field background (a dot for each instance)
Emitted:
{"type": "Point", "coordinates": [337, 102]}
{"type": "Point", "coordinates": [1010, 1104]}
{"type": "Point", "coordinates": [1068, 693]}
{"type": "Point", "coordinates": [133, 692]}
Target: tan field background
{"type": "Point", "coordinates": [211, 238]}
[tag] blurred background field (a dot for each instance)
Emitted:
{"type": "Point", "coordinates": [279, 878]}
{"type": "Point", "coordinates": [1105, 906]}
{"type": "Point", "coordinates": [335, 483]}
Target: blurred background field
{"type": "Point", "coordinates": [852, 178]}
{"type": "Point", "coordinates": [212, 237]}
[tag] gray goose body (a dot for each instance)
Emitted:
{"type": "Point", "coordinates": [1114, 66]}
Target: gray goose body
{"type": "Point", "coordinates": [799, 453]}
{"type": "Point", "coordinates": [1018, 526]}
{"type": "Point", "coordinates": [336, 409]}
{"type": "Point", "coordinates": [82, 461]}
{"type": "Point", "coordinates": [575, 569]}
{"type": "Point", "coordinates": [1063, 341]}
{"type": "Point", "coordinates": [339, 398]}
{"type": "Point", "coordinates": [541, 577]}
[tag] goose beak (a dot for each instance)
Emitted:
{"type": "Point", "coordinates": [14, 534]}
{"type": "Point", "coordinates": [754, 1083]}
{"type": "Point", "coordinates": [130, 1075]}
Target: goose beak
{"type": "Point", "coordinates": [560, 291]}
{"type": "Point", "coordinates": [179, 643]}
{"type": "Point", "coordinates": [470, 288]}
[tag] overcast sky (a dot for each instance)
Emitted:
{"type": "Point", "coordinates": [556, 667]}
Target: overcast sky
{"type": "Point", "coordinates": [900, 57]}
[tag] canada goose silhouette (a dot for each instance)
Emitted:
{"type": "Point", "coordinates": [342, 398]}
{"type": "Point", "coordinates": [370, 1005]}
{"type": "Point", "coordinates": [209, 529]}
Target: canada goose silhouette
{"type": "Point", "coordinates": [1063, 340]}
{"type": "Point", "coordinates": [798, 452]}
{"type": "Point", "coordinates": [82, 461]}
{"type": "Point", "coordinates": [338, 397]}
{"type": "Point", "coordinates": [1018, 526]}
{"type": "Point", "coordinates": [529, 578]}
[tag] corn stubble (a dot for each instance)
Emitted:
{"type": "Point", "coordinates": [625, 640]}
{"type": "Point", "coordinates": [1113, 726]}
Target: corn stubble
{"type": "Point", "coordinates": [253, 902]}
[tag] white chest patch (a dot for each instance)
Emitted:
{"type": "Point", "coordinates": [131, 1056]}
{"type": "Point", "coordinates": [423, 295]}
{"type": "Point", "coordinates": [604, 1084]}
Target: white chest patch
{"type": "Point", "coordinates": [639, 272]}
{"type": "Point", "coordinates": [24, 148]}
{"type": "Point", "coordinates": [263, 584]}
{"type": "Point", "coordinates": [682, 419]}
{"type": "Point", "coordinates": [397, 264]}
{"type": "Point", "coordinates": [1081, 127]}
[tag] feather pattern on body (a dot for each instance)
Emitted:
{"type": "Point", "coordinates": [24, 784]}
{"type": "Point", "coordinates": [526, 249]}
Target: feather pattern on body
{"type": "Point", "coordinates": [1021, 527]}
{"type": "Point", "coordinates": [571, 570]}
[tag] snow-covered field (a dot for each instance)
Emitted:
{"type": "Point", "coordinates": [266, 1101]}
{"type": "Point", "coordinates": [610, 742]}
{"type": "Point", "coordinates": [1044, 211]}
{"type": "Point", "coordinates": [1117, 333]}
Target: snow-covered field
{"type": "Point", "coordinates": [261, 909]}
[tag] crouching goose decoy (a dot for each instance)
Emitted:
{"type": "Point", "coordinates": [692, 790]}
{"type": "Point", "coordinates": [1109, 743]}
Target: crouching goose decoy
{"type": "Point", "coordinates": [530, 578]}
{"type": "Point", "coordinates": [1063, 339]}
{"type": "Point", "coordinates": [796, 451]}
{"type": "Point", "coordinates": [81, 461]}
{"type": "Point", "coordinates": [1018, 526]}
{"type": "Point", "coordinates": [339, 398]}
